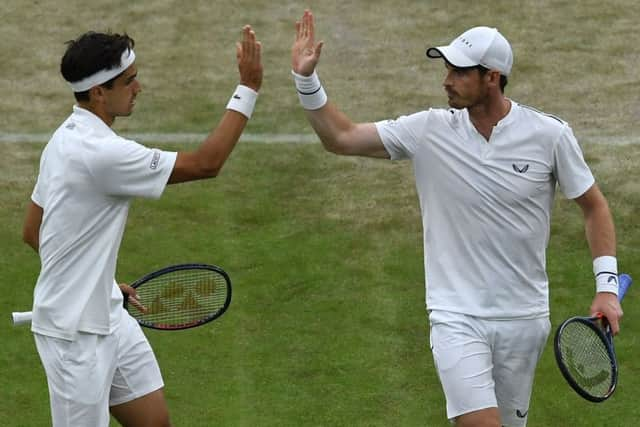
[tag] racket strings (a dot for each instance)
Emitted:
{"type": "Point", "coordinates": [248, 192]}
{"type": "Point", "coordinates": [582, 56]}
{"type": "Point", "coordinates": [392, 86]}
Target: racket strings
{"type": "Point", "coordinates": [182, 297]}
{"type": "Point", "coordinates": [587, 359]}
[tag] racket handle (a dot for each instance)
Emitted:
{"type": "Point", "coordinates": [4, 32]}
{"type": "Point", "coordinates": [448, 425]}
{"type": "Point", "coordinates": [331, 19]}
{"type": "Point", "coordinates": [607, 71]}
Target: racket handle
{"type": "Point", "coordinates": [21, 318]}
{"type": "Point", "coordinates": [624, 281]}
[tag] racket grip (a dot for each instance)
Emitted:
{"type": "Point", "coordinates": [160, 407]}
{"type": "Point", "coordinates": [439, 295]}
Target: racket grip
{"type": "Point", "coordinates": [21, 318]}
{"type": "Point", "coordinates": [624, 281]}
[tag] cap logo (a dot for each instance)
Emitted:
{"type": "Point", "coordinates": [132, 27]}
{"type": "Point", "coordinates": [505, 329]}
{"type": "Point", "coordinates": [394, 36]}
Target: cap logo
{"type": "Point", "coordinates": [465, 41]}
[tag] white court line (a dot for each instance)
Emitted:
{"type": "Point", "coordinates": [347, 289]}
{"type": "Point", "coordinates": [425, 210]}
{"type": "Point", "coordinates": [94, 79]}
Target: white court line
{"type": "Point", "coordinates": [149, 138]}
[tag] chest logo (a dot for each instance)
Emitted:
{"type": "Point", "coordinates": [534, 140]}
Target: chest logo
{"type": "Point", "coordinates": [519, 169]}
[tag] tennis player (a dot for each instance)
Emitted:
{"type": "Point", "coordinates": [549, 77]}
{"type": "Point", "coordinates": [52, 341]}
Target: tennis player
{"type": "Point", "coordinates": [486, 172]}
{"type": "Point", "coordinates": [95, 356]}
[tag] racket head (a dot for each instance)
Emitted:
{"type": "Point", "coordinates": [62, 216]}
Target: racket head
{"type": "Point", "coordinates": [181, 296]}
{"type": "Point", "coordinates": [584, 352]}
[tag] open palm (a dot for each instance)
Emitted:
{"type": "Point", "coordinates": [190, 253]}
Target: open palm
{"type": "Point", "coordinates": [305, 53]}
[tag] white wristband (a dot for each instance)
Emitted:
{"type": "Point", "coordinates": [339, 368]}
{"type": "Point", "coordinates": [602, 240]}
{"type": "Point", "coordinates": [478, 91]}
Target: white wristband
{"type": "Point", "coordinates": [605, 268]}
{"type": "Point", "coordinates": [243, 100]}
{"type": "Point", "coordinates": [310, 91]}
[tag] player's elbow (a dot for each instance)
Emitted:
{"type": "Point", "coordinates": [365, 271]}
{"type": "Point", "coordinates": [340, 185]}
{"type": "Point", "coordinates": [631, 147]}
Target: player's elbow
{"type": "Point", "coordinates": [339, 144]}
{"type": "Point", "coordinates": [209, 170]}
{"type": "Point", "coordinates": [30, 238]}
{"type": "Point", "coordinates": [335, 149]}
{"type": "Point", "coordinates": [194, 166]}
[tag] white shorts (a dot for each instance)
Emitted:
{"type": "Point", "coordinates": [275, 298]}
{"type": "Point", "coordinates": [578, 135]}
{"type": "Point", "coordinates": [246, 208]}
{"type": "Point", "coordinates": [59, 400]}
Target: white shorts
{"type": "Point", "coordinates": [486, 363]}
{"type": "Point", "coordinates": [88, 375]}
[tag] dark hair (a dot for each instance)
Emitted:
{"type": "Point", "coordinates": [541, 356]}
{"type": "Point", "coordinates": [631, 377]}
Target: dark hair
{"type": "Point", "coordinates": [503, 79]}
{"type": "Point", "coordinates": [90, 53]}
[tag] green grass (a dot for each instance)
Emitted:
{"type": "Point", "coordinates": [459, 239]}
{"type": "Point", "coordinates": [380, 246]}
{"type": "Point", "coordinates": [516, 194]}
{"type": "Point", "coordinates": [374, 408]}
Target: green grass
{"type": "Point", "coordinates": [327, 325]}
{"type": "Point", "coordinates": [573, 59]}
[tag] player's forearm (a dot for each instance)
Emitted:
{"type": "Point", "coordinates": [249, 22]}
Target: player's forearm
{"type": "Point", "coordinates": [600, 231]}
{"type": "Point", "coordinates": [216, 148]}
{"type": "Point", "coordinates": [337, 132]}
{"type": "Point", "coordinates": [331, 126]}
{"type": "Point", "coordinates": [208, 159]}
{"type": "Point", "coordinates": [325, 118]}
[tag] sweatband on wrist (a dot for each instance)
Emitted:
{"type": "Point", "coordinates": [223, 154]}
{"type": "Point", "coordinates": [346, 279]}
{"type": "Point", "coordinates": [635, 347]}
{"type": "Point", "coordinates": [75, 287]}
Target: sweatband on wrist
{"type": "Point", "coordinates": [605, 268]}
{"type": "Point", "coordinates": [310, 91]}
{"type": "Point", "coordinates": [243, 100]}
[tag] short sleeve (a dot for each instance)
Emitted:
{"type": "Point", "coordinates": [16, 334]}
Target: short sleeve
{"type": "Point", "coordinates": [125, 168]}
{"type": "Point", "coordinates": [569, 167]}
{"type": "Point", "coordinates": [38, 196]}
{"type": "Point", "coordinates": [400, 136]}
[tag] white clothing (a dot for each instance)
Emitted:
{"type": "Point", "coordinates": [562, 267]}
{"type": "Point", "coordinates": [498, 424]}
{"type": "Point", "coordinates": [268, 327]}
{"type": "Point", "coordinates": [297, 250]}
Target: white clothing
{"type": "Point", "coordinates": [485, 363]}
{"type": "Point", "coordinates": [93, 372]}
{"type": "Point", "coordinates": [486, 205]}
{"type": "Point", "coordinates": [88, 175]}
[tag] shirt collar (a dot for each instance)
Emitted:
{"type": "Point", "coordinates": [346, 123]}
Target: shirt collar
{"type": "Point", "coordinates": [85, 116]}
{"type": "Point", "coordinates": [505, 121]}
{"type": "Point", "coordinates": [510, 117]}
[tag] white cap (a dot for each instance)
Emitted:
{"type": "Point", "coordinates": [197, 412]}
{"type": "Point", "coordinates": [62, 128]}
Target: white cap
{"type": "Point", "coordinates": [478, 46]}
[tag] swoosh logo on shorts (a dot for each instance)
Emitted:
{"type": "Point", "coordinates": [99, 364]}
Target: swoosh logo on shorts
{"type": "Point", "coordinates": [520, 414]}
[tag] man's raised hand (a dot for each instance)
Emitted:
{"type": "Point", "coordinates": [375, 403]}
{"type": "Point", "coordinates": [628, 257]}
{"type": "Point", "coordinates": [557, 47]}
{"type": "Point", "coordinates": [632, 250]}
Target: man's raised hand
{"type": "Point", "coordinates": [305, 53]}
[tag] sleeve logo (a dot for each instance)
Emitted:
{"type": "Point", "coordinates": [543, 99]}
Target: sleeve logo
{"type": "Point", "coordinates": [155, 160]}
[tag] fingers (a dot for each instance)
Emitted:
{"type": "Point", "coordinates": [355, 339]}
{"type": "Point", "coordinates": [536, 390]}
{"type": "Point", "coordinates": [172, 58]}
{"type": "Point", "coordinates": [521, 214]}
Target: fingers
{"type": "Point", "coordinates": [249, 48]}
{"type": "Point", "coordinates": [305, 28]}
{"type": "Point", "coordinates": [128, 291]}
{"type": "Point", "coordinates": [318, 50]}
{"type": "Point", "coordinates": [132, 297]}
{"type": "Point", "coordinates": [614, 320]}
{"type": "Point", "coordinates": [305, 53]}
{"type": "Point", "coordinates": [257, 53]}
{"type": "Point", "coordinates": [246, 46]}
{"type": "Point", "coordinates": [608, 305]}
{"type": "Point", "coordinates": [248, 41]}
{"type": "Point", "coordinates": [308, 25]}
{"type": "Point", "coordinates": [249, 53]}
{"type": "Point", "coordinates": [137, 304]}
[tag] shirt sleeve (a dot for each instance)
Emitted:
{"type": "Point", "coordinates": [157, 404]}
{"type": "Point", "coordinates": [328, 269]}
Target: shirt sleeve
{"type": "Point", "coordinates": [39, 189]}
{"type": "Point", "coordinates": [37, 195]}
{"type": "Point", "coordinates": [125, 168]}
{"type": "Point", "coordinates": [400, 136]}
{"type": "Point", "coordinates": [572, 172]}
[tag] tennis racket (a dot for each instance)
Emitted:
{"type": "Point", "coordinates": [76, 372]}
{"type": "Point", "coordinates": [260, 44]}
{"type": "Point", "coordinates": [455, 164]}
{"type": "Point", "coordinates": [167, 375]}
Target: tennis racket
{"type": "Point", "coordinates": [177, 297]}
{"type": "Point", "coordinates": [584, 351]}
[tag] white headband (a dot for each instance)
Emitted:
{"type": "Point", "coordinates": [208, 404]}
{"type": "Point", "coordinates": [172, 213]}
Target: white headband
{"type": "Point", "coordinates": [105, 74]}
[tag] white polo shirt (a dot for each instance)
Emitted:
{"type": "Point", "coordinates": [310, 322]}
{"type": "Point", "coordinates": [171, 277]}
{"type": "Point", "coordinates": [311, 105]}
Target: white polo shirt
{"type": "Point", "coordinates": [486, 206]}
{"type": "Point", "coordinates": [88, 175]}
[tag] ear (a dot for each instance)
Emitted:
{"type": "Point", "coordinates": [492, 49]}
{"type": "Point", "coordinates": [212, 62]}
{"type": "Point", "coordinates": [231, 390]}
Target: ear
{"type": "Point", "coordinates": [493, 78]}
{"type": "Point", "coordinates": [96, 94]}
